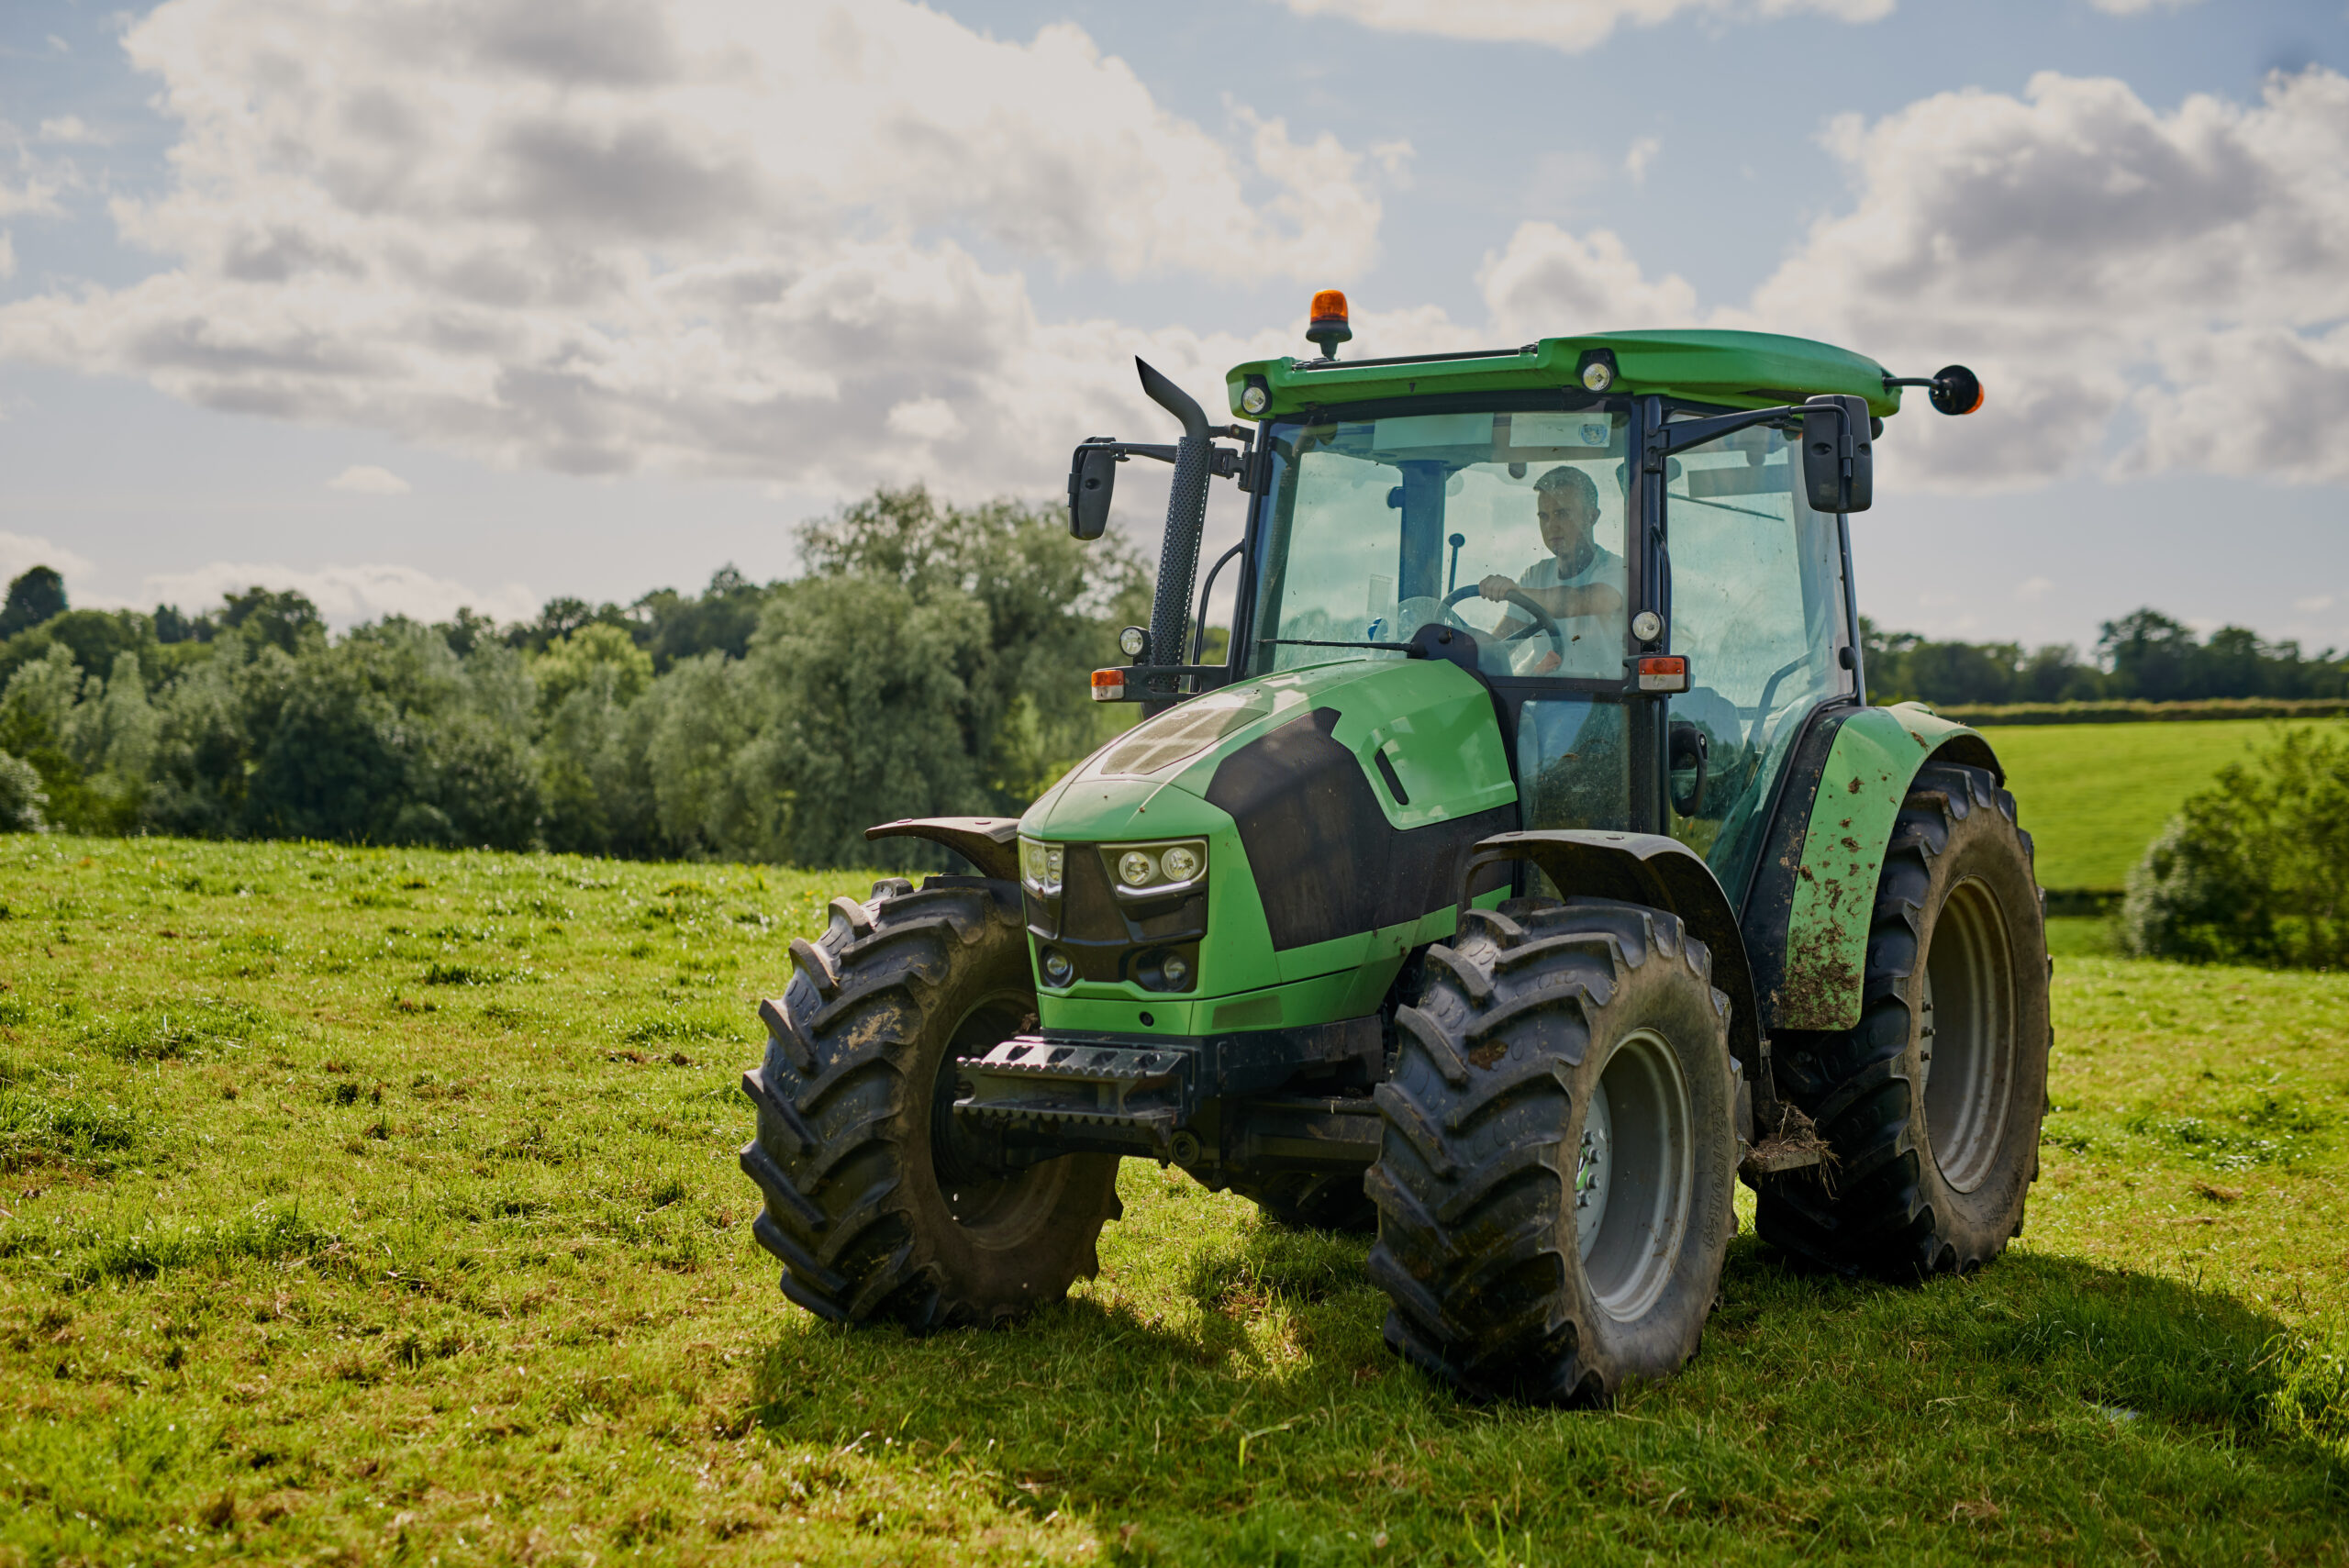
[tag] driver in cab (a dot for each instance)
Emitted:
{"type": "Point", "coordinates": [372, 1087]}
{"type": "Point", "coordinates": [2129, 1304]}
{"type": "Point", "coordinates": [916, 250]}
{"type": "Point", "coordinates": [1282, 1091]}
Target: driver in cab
{"type": "Point", "coordinates": [1580, 584]}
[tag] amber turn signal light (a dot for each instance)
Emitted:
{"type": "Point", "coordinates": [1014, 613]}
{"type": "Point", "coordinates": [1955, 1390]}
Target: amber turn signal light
{"type": "Point", "coordinates": [1664, 673]}
{"type": "Point", "coordinates": [1108, 686]}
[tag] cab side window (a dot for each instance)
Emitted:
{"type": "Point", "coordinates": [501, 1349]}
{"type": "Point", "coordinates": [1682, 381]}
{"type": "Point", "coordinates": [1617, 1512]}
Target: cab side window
{"type": "Point", "coordinates": [1758, 606]}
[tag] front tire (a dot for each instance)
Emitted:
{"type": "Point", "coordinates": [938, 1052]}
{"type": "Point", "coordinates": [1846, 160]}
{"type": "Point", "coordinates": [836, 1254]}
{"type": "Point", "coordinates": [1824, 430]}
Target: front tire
{"type": "Point", "coordinates": [1555, 1181]}
{"type": "Point", "coordinates": [1932, 1102]}
{"type": "Point", "coordinates": [877, 1203]}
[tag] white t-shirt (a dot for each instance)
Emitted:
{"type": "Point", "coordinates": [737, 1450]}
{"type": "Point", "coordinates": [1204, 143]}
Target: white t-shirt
{"type": "Point", "coordinates": [1594, 643]}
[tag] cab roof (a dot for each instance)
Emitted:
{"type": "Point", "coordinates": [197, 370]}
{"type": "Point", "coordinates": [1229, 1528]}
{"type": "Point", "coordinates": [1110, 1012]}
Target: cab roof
{"type": "Point", "coordinates": [1735, 370]}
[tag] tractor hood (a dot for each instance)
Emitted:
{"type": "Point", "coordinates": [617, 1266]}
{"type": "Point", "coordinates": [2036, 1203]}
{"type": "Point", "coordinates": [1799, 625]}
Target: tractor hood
{"type": "Point", "coordinates": [1330, 808]}
{"type": "Point", "coordinates": [1427, 717]}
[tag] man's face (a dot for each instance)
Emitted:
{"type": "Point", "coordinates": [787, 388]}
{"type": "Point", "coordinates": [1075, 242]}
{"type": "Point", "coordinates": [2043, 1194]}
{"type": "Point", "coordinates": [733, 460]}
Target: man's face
{"type": "Point", "coordinates": [1566, 518]}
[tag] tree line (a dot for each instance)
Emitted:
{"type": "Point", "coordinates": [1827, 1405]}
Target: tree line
{"type": "Point", "coordinates": [2144, 656]}
{"type": "Point", "coordinates": [930, 660]}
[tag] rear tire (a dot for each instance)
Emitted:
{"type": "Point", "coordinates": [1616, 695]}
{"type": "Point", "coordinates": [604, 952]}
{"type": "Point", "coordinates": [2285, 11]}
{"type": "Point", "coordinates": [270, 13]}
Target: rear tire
{"type": "Point", "coordinates": [1933, 1103]}
{"type": "Point", "coordinates": [877, 1204]}
{"type": "Point", "coordinates": [1555, 1186]}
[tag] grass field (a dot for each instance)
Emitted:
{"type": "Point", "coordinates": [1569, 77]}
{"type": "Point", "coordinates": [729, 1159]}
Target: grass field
{"type": "Point", "coordinates": [381, 1206]}
{"type": "Point", "coordinates": [2094, 794]}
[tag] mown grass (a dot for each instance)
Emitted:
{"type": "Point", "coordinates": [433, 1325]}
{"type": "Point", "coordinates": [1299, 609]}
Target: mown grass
{"type": "Point", "coordinates": [2095, 795]}
{"type": "Point", "coordinates": [375, 1206]}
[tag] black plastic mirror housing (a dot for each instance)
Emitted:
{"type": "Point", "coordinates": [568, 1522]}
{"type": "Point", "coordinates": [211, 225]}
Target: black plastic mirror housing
{"type": "Point", "coordinates": [1838, 454]}
{"type": "Point", "coordinates": [1092, 477]}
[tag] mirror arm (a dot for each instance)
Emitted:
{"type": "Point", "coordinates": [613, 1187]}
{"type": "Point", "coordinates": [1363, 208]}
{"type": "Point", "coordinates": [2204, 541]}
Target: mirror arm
{"type": "Point", "coordinates": [1134, 449]}
{"type": "Point", "coordinates": [1683, 434]}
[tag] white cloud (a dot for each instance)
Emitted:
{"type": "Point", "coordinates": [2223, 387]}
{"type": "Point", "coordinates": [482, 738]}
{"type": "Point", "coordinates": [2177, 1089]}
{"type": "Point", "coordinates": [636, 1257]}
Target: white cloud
{"type": "Point", "coordinates": [1548, 283]}
{"type": "Point", "coordinates": [364, 479]}
{"type": "Point", "coordinates": [69, 128]}
{"type": "Point", "coordinates": [2091, 256]}
{"type": "Point", "coordinates": [36, 194]}
{"type": "Point", "coordinates": [2138, 7]}
{"type": "Point", "coordinates": [20, 553]}
{"type": "Point", "coordinates": [345, 596]}
{"type": "Point", "coordinates": [925, 419]}
{"type": "Point", "coordinates": [7, 255]}
{"type": "Point", "coordinates": [1642, 153]}
{"type": "Point", "coordinates": [1572, 26]}
{"type": "Point", "coordinates": [2140, 291]}
{"type": "Point", "coordinates": [2313, 603]}
{"type": "Point", "coordinates": [2032, 589]}
{"type": "Point", "coordinates": [688, 235]}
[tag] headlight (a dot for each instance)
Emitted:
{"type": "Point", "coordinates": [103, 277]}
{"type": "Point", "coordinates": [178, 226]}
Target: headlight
{"type": "Point", "coordinates": [1040, 864]}
{"type": "Point", "coordinates": [1144, 869]}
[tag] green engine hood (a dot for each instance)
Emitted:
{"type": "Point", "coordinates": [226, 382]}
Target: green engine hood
{"type": "Point", "coordinates": [1324, 865]}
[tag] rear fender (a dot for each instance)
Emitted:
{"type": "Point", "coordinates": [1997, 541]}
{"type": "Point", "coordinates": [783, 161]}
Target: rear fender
{"type": "Point", "coordinates": [990, 843]}
{"type": "Point", "coordinates": [1807, 918]}
{"type": "Point", "coordinates": [1663, 874]}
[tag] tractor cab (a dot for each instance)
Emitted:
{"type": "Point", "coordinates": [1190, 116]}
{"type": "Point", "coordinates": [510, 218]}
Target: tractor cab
{"type": "Point", "coordinates": [1513, 522]}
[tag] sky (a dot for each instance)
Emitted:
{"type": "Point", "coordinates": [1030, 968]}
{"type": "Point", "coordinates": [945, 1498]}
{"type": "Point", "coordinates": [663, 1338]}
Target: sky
{"type": "Point", "coordinates": [411, 303]}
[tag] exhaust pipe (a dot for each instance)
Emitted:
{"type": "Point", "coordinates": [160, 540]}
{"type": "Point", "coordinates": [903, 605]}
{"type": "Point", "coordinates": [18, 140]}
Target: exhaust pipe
{"type": "Point", "coordinates": [1187, 522]}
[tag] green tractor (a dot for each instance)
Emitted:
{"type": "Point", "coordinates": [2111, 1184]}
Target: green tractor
{"type": "Point", "coordinates": [1532, 868]}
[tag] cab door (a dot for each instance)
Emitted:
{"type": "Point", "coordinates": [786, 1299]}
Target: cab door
{"type": "Point", "coordinates": [1758, 607]}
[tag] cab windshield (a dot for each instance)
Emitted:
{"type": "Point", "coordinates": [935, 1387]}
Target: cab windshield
{"type": "Point", "coordinates": [1509, 526]}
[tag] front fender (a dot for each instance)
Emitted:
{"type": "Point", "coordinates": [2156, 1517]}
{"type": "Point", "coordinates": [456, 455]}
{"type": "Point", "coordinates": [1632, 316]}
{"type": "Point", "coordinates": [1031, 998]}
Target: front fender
{"type": "Point", "coordinates": [1807, 918]}
{"type": "Point", "coordinates": [990, 843]}
{"type": "Point", "coordinates": [1663, 874]}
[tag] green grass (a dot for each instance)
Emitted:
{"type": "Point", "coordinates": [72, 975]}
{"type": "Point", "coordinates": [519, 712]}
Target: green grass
{"type": "Point", "coordinates": [381, 1206]}
{"type": "Point", "coordinates": [2093, 795]}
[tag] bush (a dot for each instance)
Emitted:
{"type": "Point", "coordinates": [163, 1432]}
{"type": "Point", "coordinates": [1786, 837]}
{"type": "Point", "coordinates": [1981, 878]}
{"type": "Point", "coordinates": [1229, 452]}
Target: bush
{"type": "Point", "coordinates": [20, 796]}
{"type": "Point", "coordinates": [2255, 869]}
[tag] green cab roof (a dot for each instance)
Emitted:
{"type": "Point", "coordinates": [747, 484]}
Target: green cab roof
{"type": "Point", "coordinates": [1736, 370]}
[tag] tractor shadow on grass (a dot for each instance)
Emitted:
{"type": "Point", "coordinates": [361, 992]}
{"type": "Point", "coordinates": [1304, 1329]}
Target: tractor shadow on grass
{"type": "Point", "coordinates": [1138, 1391]}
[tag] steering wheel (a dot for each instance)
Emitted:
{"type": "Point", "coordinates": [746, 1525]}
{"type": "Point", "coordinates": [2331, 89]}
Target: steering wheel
{"type": "Point", "coordinates": [1542, 618]}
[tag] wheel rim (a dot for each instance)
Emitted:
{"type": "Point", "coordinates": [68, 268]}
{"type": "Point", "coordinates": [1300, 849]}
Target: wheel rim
{"type": "Point", "coordinates": [1965, 1035]}
{"type": "Point", "coordinates": [1634, 1171]}
{"type": "Point", "coordinates": [995, 1209]}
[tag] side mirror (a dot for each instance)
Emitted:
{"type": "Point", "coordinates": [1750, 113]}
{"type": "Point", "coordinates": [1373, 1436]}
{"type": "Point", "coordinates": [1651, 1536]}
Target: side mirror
{"type": "Point", "coordinates": [1838, 454]}
{"type": "Point", "coordinates": [1092, 476]}
{"type": "Point", "coordinates": [1956, 390]}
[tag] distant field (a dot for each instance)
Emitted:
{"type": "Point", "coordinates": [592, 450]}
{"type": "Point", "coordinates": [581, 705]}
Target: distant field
{"type": "Point", "coordinates": [2093, 795]}
{"type": "Point", "coordinates": [381, 1206]}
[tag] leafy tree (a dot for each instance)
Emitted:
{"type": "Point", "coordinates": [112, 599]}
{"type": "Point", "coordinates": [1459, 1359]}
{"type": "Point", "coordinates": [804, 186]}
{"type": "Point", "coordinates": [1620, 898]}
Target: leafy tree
{"type": "Point", "coordinates": [33, 597]}
{"type": "Point", "coordinates": [467, 631]}
{"type": "Point", "coordinates": [284, 619]}
{"type": "Point", "coordinates": [562, 616]}
{"type": "Point", "coordinates": [336, 765]}
{"type": "Point", "coordinates": [1051, 607]}
{"type": "Point", "coordinates": [573, 663]}
{"type": "Point", "coordinates": [2153, 657]}
{"type": "Point", "coordinates": [871, 718]}
{"type": "Point", "coordinates": [680, 626]}
{"type": "Point", "coordinates": [172, 627]}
